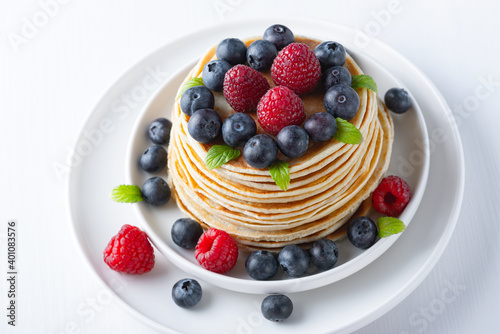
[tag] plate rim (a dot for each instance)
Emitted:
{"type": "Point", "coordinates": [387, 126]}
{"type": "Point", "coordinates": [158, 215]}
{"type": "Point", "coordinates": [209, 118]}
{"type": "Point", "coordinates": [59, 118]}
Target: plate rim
{"type": "Point", "coordinates": [359, 322]}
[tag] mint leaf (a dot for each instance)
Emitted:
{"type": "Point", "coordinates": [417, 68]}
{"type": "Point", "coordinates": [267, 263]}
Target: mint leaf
{"type": "Point", "coordinates": [188, 84]}
{"type": "Point", "coordinates": [126, 194]}
{"type": "Point", "coordinates": [363, 80]}
{"type": "Point", "coordinates": [218, 155]}
{"type": "Point", "coordinates": [280, 174]}
{"type": "Point", "coordinates": [388, 226]}
{"type": "Point", "coordinates": [347, 133]}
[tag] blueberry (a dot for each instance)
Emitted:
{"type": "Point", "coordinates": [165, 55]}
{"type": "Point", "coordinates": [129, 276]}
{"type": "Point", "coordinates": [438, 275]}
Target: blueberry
{"type": "Point", "coordinates": [336, 75]}
{"type": "Point", "coordinates": [324, 253]}
{"type": "Point", "coordinates": [279, 35]}
{"type": "Point", "coordinates": [186, 232]}
{"type": "Point", "coordinates": [260, 151]}
{"type": "Point", "coordinates": [154, 159]}
{"type": "Point", "coordinates": [276, 307]}
{"type": "Point", "coordinates": [293, 260]}
{"type": "Point", "coordinates": [261, 265]}
{"type": "Point", "coordinates": [204, 125]}
{"type": "Point", "coordinates": [362, 232]}
{"type": "Point", "coordinates": [237, 129]}
{"type": "Point", "coordinates": [213, 74]}
{"type": "Point", "coordinates": [187, 292]}
{"type": "Point", "coordinates": [293, 141]}
{"type": "Point", "coordinates": [156, 191]}
{"type": "Point", "coordinates": [321, 126]}
{"type": "Point", "coordinates": [232, 50]}
{"type": "Point", "coordinates": [330, 54]}
{"type": "Point", "coordinates": [194, 98]}
{"type": "Point", "coordinates": [397, 100]}
{"type": "Point", "coordinates": [159, 131]}
{"type": "Point", "coordinates": [260, 54]}
{"type": "Point", "coordinates": [341, 101]}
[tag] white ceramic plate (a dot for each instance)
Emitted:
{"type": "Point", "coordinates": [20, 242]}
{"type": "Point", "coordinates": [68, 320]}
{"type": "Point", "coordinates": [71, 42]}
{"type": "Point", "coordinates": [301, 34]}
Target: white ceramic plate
{"type": "Point", "coordinates": [410, 130]}
{"type": "Point", "coordinates": [340, 307]}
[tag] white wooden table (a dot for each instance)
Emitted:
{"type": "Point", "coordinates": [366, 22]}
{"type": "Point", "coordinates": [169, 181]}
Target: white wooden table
{"type": "Point", "coordinates": [58, 57]}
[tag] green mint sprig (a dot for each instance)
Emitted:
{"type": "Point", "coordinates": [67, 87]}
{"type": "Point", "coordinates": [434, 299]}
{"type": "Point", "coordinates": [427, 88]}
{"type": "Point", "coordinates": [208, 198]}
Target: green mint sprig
{"type": "Point", "coordinates": [126, 194]}
{"type": "Point", "coordinates": [280, 173]}
{"type": "Point", "coordinates": [388, 226]}
{"type": "Point", "coordinates": [219, 155]}
{"type": "Point", "coordinates": [347, 133]}
{"type": "Point", "coordinates": [364, 81]}
{"type": "Point", "coordinates": [188, 84]}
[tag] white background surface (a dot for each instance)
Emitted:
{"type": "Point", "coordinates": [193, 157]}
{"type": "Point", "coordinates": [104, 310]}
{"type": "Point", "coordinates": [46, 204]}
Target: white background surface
{"type": "Point", "coordinates": [50, 83]}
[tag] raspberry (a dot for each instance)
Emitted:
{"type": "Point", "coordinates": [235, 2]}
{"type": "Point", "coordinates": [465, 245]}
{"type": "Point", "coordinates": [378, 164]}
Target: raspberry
{"type": "Point", "coordinates": [297, 68]}
{"type": "Point", "coordinates": [243, 88]}
{"type": "Point", "coordinates": [216, 251]}
{"type": "Point", "coordinates": [130, 252]}
{"type": "Point", "coordinates": [391, 196]}
{"type": "Point", "coordinates": [278, 108]}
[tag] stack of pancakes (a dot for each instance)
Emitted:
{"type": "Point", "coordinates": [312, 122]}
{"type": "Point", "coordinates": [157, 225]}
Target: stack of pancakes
{"type": "Point", "coordinates": [328, 184]}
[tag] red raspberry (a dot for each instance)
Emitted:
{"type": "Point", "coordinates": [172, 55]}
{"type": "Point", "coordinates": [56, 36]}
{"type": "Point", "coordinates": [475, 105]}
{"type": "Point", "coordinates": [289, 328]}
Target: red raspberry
{"type": "Point", "coordinates": [216, 251]}
{"type": "Point", "coordinates": [297, 68]}
{"type": "Point", "coordinates": [278, 108]}
{"type": "Point", "coordinates": [391, 196]}
{"type": "Point", "coordinates": [243, 88]}
{"type": "Point", "coordinates": [130, 251]}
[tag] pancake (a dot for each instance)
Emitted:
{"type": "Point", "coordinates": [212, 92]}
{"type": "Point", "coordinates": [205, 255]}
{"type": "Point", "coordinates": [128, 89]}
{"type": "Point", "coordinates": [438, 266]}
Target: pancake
{"type": "Point", "coordinates": [329, 184]}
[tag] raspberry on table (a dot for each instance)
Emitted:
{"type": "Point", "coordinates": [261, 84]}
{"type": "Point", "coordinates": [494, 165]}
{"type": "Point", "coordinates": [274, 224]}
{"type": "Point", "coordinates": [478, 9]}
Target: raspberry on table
{"type": "Point", "coordinates": [278, 108]}
{"type": "Point", "coordinates": [297, 68]}
{"type": "Point", "coordinates": [243, 88]}
{"type": "Point", "coordinates": [391, 196]}
{"type": "Point", "coordinates": [130, 252]}
{"type": "Point", "coordinates": [216, 251]}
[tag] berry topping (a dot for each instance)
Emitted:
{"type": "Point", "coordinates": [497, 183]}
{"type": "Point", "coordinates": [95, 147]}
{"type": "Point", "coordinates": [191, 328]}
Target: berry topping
{"type": "Point", "coordinates": [213, 74]}
{"type": "Point", "coordinates": [243, 88]}
{"type": "Point", "coordinates": [391, 196]}
{"type": "Point", "coordinates": [321, 126]}
{"type": "Point", "coordinates": [276, 307]}
{"type": "Point", "coordinates": [362, 232]}
{"type": "Point", "coordinates": [279, 35]}
{"type": "Point", "coordinates": [159, 131]}
{"type": "Point", "coordinates": [216, 251]}
{"type": "Point", "coordinates": [197, 97]}
{"type": "Point", "coordinates": [260, 54]}
{"type": "Point", "coordinates": [397, 100]}
{"type": "Point", "coordinates": [154, 159]}
{"type": "Point", "coordinates": [129, 251]}
{"type": "Point", "coordinates": [330, 54]}
{"type": "Point", "coordinates": [293, 141]}
{"type": "Point", "coordinates": [293, 260]}
{"type": "Point", "coordinates": [324, 253]}
{"type": "Point", "coordinates": [186, 232]}
{"type": "Point", "coordinates": [187, 292]}
{"type": "Point", "coordinates": [204, 125]}
{"type": "Point", "coordinates": [237, 129]}
{"type": "Point", "coordinates": [232, 50]}
{"type": "Point", "coordinates": [341, 101]}
{"type": "Point", "coordinates": [336, 75]}
{"type": "Point", "coordinates": [261, 265]}
{"type": "Point", "coordinates": [260, 151]}
{"type": "Point", "coordinates": [297, 68]}
{"type": "Point", "coordinates": [278, 108]}
{"type": "Point", "coordinates": [156, 191]}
